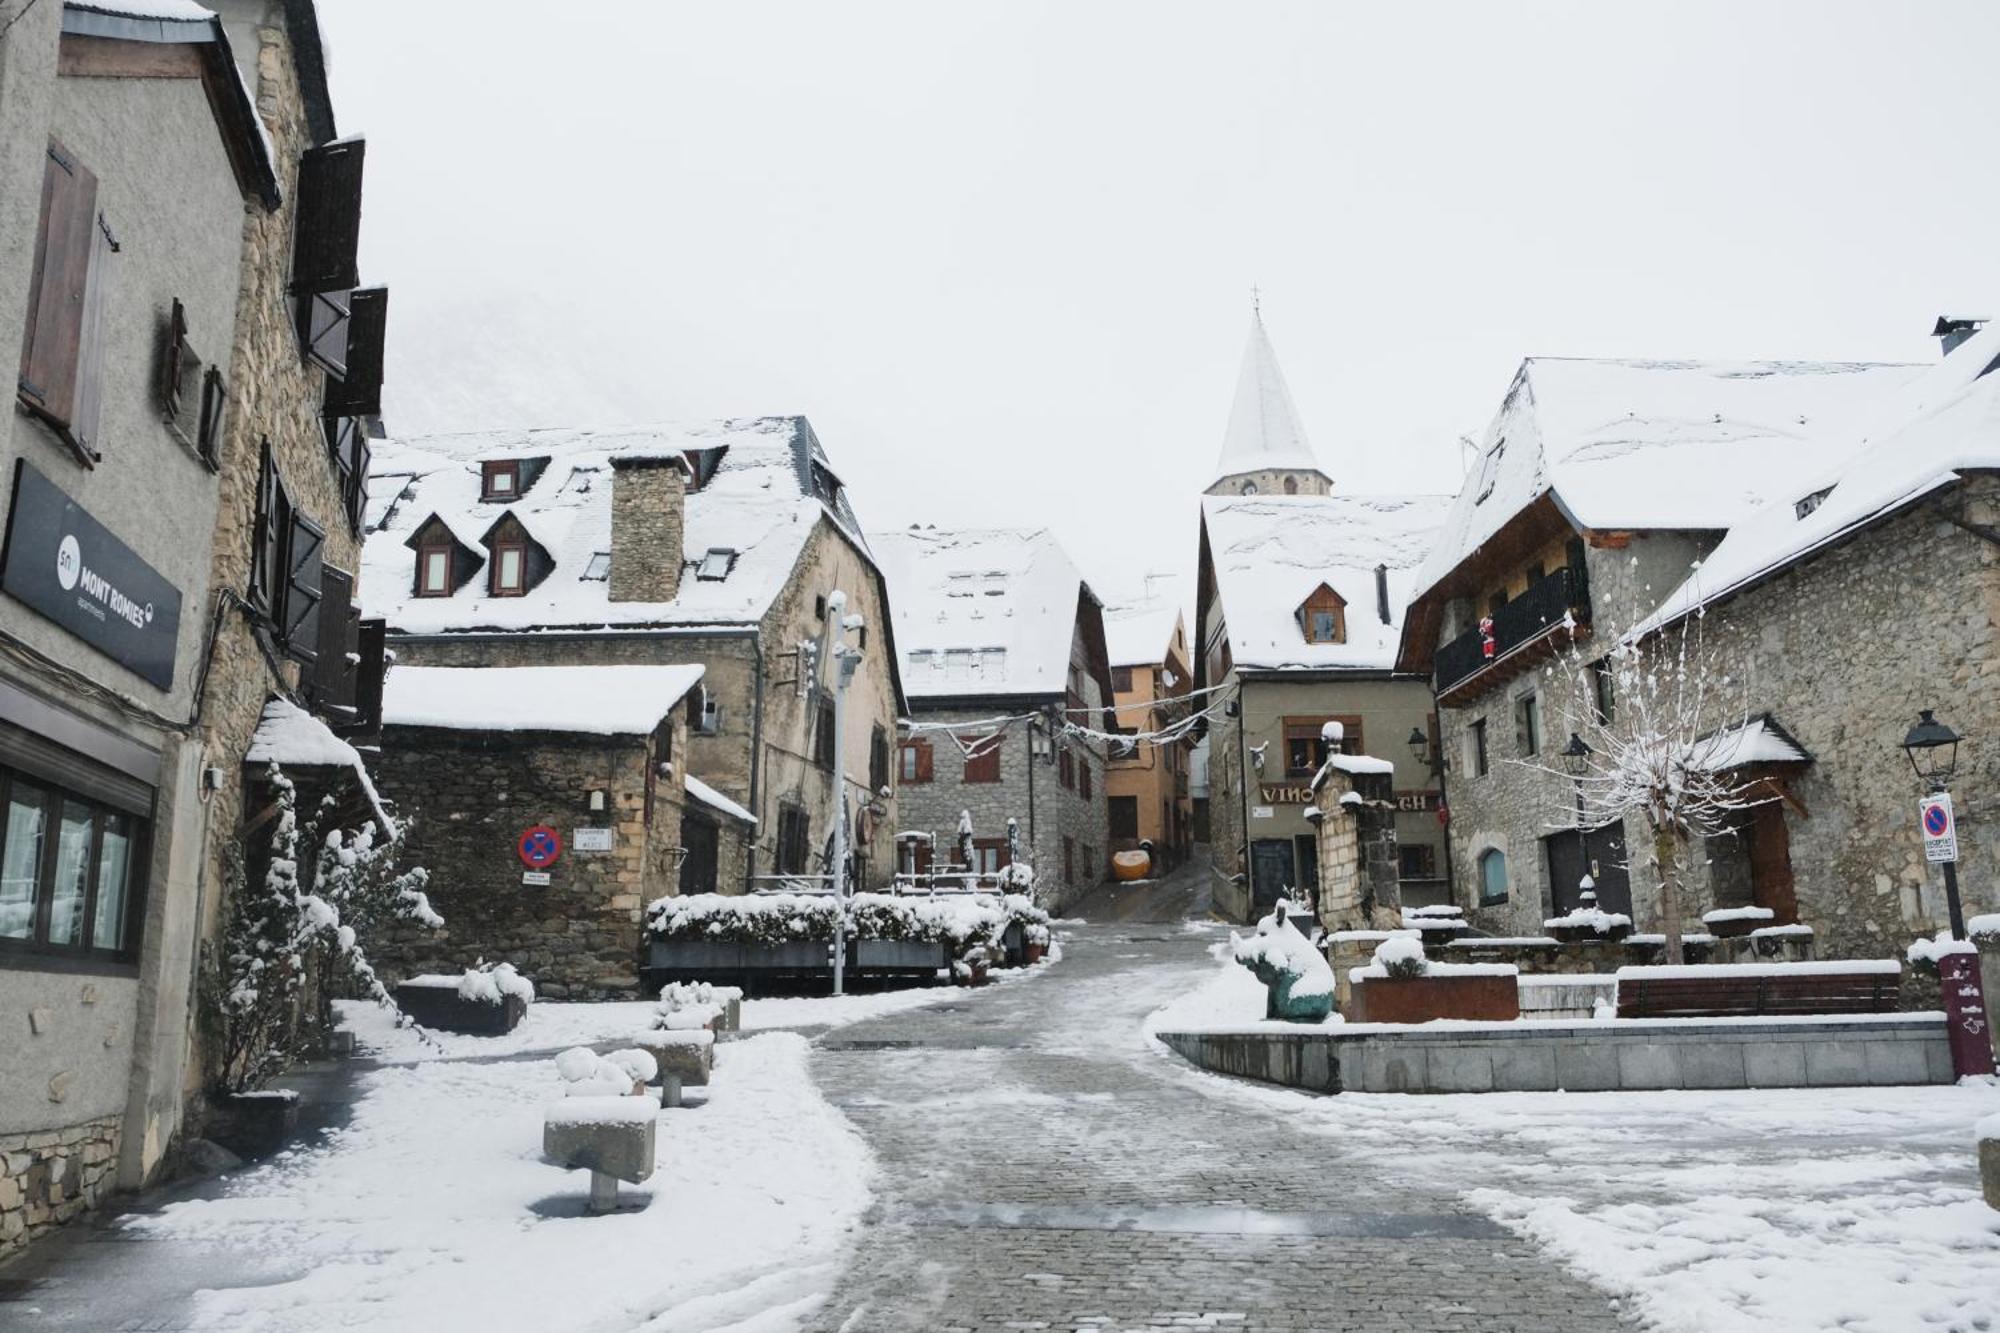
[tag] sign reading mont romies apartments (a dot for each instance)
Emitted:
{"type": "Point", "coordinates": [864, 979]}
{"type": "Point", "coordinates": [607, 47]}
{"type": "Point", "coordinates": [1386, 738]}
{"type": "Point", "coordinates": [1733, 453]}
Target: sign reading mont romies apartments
{"type": "Point", "coordinates": [66, 565]}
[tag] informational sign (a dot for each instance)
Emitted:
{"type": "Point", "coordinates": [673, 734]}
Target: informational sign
{"type": "Point", "coordinates": [69, 567]}
{"type": "Point", "coordinates": [537, 878]}
{"type": "Point", "coordinates": [539, 847]}
{"type": "Point", "coordinates": [1940, 828]}
{"type": "Point", "coordinates": [1417, 802]}
{"type": "Point", "coordinates": [1965, 1014]}
{"type": "Point", "coordinates": [1293, 793]}
{"type": "Point", "coordinates": [1261, 812]}
{"type": "Point", "coordinates": [590, 839]}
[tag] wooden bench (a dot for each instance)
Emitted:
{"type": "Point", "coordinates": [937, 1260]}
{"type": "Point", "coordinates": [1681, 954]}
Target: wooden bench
{"type": "Point", "coordinates": [1726, 991]}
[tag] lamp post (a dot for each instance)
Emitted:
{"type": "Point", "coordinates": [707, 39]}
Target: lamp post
{"type": "Point", "coordinates": [1933, 750]}
{"type": "Point", "coordinates": [1575, 761]}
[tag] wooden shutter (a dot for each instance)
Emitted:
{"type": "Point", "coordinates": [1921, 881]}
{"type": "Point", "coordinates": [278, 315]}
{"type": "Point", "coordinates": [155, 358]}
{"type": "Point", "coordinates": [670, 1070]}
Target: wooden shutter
{"type": "Point", "coordinates": [359, 392]}
{"type": "Point", "coordinates": [339, 632]}
{"type": "Point", "coordinates": [214, 410]}
{"type": "Point", "coordinates": [923, 761]}
{"type": "Point", "coordinates": [181, 380]}
{"type": "Point", "coordinates": [325, 323]}
{"type": "Point", "coordinates": [325, 245]}
{"type": "Point", "coordinates": [58, 291]}
{"type": "Point", "coordinates": [298, 623]}
{"type": "Point", "coordinates": [267, 537]}
{"type": "Point", "coordinates": [371, 646]}
{"type": "Point", "coordinates": [91, 340]}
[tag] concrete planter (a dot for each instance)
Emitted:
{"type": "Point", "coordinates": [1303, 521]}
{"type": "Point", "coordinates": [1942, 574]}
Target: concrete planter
{"type": "Point", "coordinates": [904, 956]}
{"type": "Point", "coordinates": [1033, 953]}
{"type": "Point", "coordinates": [443, 1008]}
{"type": "Point", "coordinates": [260, 1124]}
{"type": "Point", "coordinates": [695, 955]}
{"type": "Point", "coordinates": [791, 956]}
{"type": "Point", "coordinates": [1421, 999]}
{"type": "Point", "coordinates": [1587, 934]}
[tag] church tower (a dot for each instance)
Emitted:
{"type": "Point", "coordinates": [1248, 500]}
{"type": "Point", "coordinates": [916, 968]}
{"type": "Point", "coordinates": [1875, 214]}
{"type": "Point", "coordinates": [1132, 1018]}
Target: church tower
{"type": "Point", "coordinates": [1265, 451]}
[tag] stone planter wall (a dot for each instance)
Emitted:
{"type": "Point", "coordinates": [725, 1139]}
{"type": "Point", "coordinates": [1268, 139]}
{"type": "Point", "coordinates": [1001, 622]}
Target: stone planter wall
{"type": "Point", "coordinates": [49, 1177]}
{"type": "Point", "coordinates": [1421, 999]}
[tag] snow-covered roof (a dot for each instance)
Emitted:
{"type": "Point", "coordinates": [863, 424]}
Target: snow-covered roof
{"type": "Point", "coordinates": [982, 611]}
{"type": "Point", "coordinates": [1271, 552]}
{"type": "Point", "coordinates": [290, 737]}
{"type": "Point", "coordinates": [761, 501]}
{"type": "Point", "coordinates": [1264, 427]}
{"type": "Point", "coordinates": [591, 700]}
{"type": "Point", "coordinates": [1921, 437]}
{"type": "Point", "coordinates": [698, 790]}
{"type": "Point", "coordinates": [1651, 445]}
{"type": "Point", "coordinates": [1140, 633]}
{"type": "Point", "coordinates": [1756, 741]}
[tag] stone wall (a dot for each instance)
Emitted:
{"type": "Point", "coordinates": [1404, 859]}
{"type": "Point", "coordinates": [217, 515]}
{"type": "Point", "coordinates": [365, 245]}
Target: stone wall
{"type": "Point", "coordinates": [469, 796]}
{"type": "Point", "coordinates": [49, 1177]}
{"type": "Point", "coordinates": [1358, 889]}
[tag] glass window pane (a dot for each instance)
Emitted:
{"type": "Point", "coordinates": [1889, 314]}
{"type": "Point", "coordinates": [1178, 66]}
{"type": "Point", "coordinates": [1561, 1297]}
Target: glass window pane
{"type": "Point", "coordinates": [114, 867]}
{"type": "Point", "coordinates": [72, 882]}
{"type": "Point", "coordinates": [434, 570]}
{"type": "Point", "coordinates": [510, 567]}
{"type": "Point", "coordinates": [21, 861]}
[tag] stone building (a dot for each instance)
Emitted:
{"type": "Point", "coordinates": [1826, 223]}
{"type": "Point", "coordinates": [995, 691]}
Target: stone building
{"type": "Point", "coordinates": [147, 224]}
{"type": "Point", "coordinates": [593, 759]}
{"type": "Point", "coordinates": [1146, 781]}
{"type": "Point", "coordinates": [1594, 516]}
{"type": "Point", "coordinates": [1298, 607]}
{"type": "Point", "coordinates": [716, 543]}
{"type": "Point", "coordinates": [1000, 633]}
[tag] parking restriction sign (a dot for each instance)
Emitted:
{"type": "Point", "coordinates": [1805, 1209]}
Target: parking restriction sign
{"type": "Point", "coordinates": [1939, 827]}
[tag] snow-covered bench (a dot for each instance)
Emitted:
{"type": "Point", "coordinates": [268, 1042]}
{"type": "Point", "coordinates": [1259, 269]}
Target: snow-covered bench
{"type": "Point", "coordinates": [1853, 986]}
{"type": "Point", "coordinates": [611, 1137]}
{"type": "Point", "coordinates": [688, 1056]}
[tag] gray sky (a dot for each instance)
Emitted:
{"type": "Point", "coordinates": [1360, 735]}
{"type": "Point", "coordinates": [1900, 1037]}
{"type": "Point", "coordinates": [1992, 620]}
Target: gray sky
{"type": "Point", "coordinates": [1001, 255]}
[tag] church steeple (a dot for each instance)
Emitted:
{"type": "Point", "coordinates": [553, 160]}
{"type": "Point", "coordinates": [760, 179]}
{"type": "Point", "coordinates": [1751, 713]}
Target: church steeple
{"type": "Point", "coordinates": [1264, 450]}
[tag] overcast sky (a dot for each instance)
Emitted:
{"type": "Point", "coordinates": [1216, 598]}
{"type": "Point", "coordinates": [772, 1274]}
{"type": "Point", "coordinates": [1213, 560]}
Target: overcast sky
{"type": "Point", "coordinates": [1002, 255]}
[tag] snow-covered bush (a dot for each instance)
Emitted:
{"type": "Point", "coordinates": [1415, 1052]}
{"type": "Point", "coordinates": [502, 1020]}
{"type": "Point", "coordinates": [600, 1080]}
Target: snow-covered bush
{"type": "Point", "coordinates": [490, 983]}
{"type": "Point", "coordinates": [288, 943]}
{"type": "Point", "coordinates": [1984, 929]}
{"type": "Point", "coordinates": [756, 918]}
{"type": "Point", "coordinates": [1924, 955]}
{"type": "Point", "coordinates": [1401, 957]}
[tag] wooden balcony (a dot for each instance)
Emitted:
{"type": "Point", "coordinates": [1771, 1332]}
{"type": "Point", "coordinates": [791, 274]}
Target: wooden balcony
{"type": "Point", "coordinates": [1526, 632]}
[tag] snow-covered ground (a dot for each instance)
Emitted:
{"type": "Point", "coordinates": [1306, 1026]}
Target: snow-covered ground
{"type": "Point", "coordinates": [432, 1209]}
{"type": "Point", "coordinates": [1852, 1209]}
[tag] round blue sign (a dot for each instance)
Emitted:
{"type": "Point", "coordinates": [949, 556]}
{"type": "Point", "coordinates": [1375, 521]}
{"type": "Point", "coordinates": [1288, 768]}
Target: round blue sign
{"type": "Point", "coordinates": [1936, 821]}
{"type": "Point", "coordinates": [539, 847]}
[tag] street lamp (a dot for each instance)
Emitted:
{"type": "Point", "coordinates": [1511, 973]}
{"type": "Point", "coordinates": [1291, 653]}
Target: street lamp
{"type": "Point", "coordinates": [1420, 750]}
{"type": "Point", "coordinates": [1933, 750]}
{"type": "Point", "coordinates": [1575, 759]}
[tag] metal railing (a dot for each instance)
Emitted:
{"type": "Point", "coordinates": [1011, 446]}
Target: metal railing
{"type": "Point", "coordinates": [1534, 613]}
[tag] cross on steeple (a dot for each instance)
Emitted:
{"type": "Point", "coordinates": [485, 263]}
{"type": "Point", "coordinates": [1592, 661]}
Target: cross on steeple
{"type": "Point", "coordinates": [1256, 299]}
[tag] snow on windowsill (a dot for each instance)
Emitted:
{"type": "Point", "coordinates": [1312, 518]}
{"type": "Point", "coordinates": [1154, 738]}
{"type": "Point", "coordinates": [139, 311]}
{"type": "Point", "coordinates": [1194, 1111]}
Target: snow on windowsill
{"type": "Point", "coordinates": [1737, 914]}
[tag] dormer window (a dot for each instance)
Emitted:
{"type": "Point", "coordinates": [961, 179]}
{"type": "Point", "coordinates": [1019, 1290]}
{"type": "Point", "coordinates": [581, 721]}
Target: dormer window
{"type": "Point", "coordinates": [500, 480]}
{"type": "Point", "coordinates": [434, 569]}
{"type": "Point", "coordinates": [510, 568]}
{"type": "Point", "coordinates": [1805, 506]}
{"type": "Point", "coordinates": [715, 565]}
{"type": "Point", "coordinates": [599, 568]}
{"type": "Point", "coordinates": [1323, 616]}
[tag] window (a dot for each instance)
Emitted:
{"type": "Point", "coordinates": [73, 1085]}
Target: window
{"type": "Point", "coordinates": [1528, 724]}
{"type": "Point", "coordinates": [794, 836]}
{"type": "Point", "coordinates": [328, 235]}
{"type": "Point", "coordinates": [1291, 485]}
{"type": "Point", "coordinates": [62, 351]}
{"type": "Point", "coordinates": [70, 872]}
{"type": "Point", "coordinates": [348, 448]}
{"type": "Point", "coordinates": [1124, 816]}
{"type": "Point", "coordinates": [191, 392]}
{"type": "Point", "coordinates": [598, 568]}
{"type": "Point", "coordinates": [510, 560]}
{"type": "Point", "coordinates": [1067, 767]}
{"type": "Point", "coordinates": [1121, 680]}
{"type": "Point", "coordinates": [434, 570]}
{"type": "Point", "coordinates": [1492, 877]}
{"type": "Point", "coordinates": [915, 761]}
{"type": "Point", "coordinates": [716, 564]}
{"type": "Point", "coordinates": [1323, 616]}
{"type": "Point", "coordinates": [823, 737]}
{"type": "Point", "coordinates": [878, 760]}
{"type": "Point", "coordinates": [1602, 687]}
{"type": "Point", "coordinates": [1069, 860]}
{"type": "Point", "coordinates": [1416, 861]}
{"type": "Point", "coordinates": [1306, 747]}
{"type": "Point", "coordinates": [1083, 778]}
{"type": "Point", "coordinates": [1496, 602]}
{"type": "Point", "coordinates": [989, 855]}
{"type": "Point", "coordinates": [1489, 470]}
{"type": "Point", "coordinates": [982, 759]}
{"type": "Point", "coordinates": [1476, 745]}
{"type": "Point", "coordinates": [358, 390]}
{"type": "Point", "coordinates": [1803, 507]}
{"type": "Point", "coordinates": [500, 481]}
{"type": "Point", "coordinates": [286, 567]}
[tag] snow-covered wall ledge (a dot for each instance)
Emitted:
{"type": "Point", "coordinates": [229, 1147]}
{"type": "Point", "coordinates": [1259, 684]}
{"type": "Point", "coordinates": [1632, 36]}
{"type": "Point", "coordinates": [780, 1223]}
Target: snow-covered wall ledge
{"type": "Point", "coordinates": [1629, 1055]}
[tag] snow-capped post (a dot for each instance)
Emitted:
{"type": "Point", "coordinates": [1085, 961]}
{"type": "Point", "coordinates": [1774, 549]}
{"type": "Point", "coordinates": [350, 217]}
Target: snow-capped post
{"type": "Point", "coordinates": [1013, 840]}
{"type": "Point", "coordinates": [965, 848]}
{"type": "Point", "coordinates": [1933, 751]}
{"type": "Point", "coordinates": [846, 660]}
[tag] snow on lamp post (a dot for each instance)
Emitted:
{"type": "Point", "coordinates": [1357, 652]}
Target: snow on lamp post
{"type": "Point", "coordinates": [1932, 748]}
{"type": "Point", "coordinates": [1576, 762]}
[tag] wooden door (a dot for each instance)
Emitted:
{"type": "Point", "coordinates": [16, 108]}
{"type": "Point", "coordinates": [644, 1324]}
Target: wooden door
{"type": "Point", "coordinates": [1271, 876]}
{"type": "Point", "coordinates": [701, 839]}
{"type": "Point", "coordinates": [1770, 842]}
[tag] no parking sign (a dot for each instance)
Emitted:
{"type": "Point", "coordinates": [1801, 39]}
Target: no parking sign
{"type": "Point", "coordinates": [539, 847]}
{"type": "Point", "coordinates": [1939, 826]}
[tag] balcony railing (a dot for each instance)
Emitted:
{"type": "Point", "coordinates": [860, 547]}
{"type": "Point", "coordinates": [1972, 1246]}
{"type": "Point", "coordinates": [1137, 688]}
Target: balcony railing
{"type": "Point", "coordinates": [1531, 617]}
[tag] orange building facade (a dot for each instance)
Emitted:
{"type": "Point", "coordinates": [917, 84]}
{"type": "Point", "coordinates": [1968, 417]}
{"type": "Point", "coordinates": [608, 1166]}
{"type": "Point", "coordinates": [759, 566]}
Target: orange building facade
{"type": "Point", "coordinates": [1146, 781]}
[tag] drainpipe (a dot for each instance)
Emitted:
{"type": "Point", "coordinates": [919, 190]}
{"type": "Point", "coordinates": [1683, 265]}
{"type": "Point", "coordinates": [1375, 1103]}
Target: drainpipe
{"type": "Point", "coordinates": [1036, 846]}
{"type": "Point", "coordinates": [756, 758]}
{"type": "Point", "coordinates": [1243, 791]}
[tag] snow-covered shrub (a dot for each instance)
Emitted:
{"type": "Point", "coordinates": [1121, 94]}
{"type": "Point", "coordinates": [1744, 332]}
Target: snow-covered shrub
{"type": "Point", "coordinates": [490, 983]}
{"type": "Point", "coordinates": [1401, 957]}
{"type": "Point", "coordinates": [1589, 918]}
{"type": "Point", "coordinates": [1924, 955]}
{"type": "Point", "coordinates": [267, 999]}
{"type": "Point", "coordinates": [1984, 929]}
{"type": "Point", "coordinates": [689, 1005]}
{"type": "Point", "coordinates": [757, 918]}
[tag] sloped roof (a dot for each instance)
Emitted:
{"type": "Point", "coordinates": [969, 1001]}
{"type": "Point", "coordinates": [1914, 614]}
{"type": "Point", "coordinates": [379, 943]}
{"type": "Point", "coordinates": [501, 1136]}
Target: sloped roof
{"type": "Point", "coordinates": [587, 700]}
{"type": "Point", "coordinates": [1651, 445]}
{"type": "Point", "coordinates": [989, 611]}
{"type": "Point", "coordinates": [1140, 633]}
{"type": "Point", "coordinates": [1264, 428]}
{"type": "Point", "coordinates": [1921, 437]}
{"type": "Point", "coordinates": [762, 501]}
{"type": "Point", "coordinates": [1270, 552]}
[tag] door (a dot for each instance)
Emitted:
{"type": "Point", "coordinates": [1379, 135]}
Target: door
{"type": "Point", "coordinates": [700, 837]}
{"type": "Point", "coordinates": [1771, 862]}
{"type": "Point", "coordinates": [1270, 873]}
{"type": "Point", "coordinates": [1602, 855]}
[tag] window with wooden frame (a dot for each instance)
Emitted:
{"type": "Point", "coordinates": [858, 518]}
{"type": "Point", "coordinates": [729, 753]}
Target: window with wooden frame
{"type": "Point", "coordinates": [1528, 724]}
{"type": "Point", "coordinates": [357, 390]}
{"type": "Point", "coordinates": [61, 377]}
{"type": "Point", "coordinates": [982, 758]}
{"type": "Point", "coordinates": [348, 448]}
{"type": "Point", "coordinates": [794, 837]}
{"type": "Point", "coordinates": [1121, 680]}
{"type": "Point", "coordinates": [1067, 767]}
{"type": "Point", "coordinates": [499, 480]}
{"type": "Point", "coordinates": [510, 567]}
{"type": "Point", "coordinates": [287, 567]}
{"type": "Point", "coordinates": [915, 761]}
{"type": "Point", "coordinates": [878, 759]}
{"type": "Point", "coordinates": [1306, 747]}
{"type": "Point", "coordinates": [1083, 787]}
{"type": "Point", "coordinates": [1416, 860]}
{"type": "Point", "coordinates": [1322, 617]}
{"type": "Point", "coordinates": [989, 856]}
{"type": "Point", "coordinates": [1475, 736]}
{"type": "Point", "coordinates": [1124, 812]}
{"type": "Point", "coordinates": [325, 249]}
{"type": "Point", "coordinates": [72, 872]}
{"type": "Point", "coordinates": [434, 561]}
{"type": "Point", "coordinates": [823, 737]}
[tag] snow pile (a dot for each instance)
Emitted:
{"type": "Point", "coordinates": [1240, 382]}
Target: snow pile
{"type": "Point", "coordinates": [490, 983]}
{"type": "Point", "coordinates": [1929, 953]}
{"type": "Point", "coordinates": [1402, 956]}
{"type": "Point", "coordinates": [1435, 909]}
{"type": "Point", "coordinates": [612, 1110]}
{"type": "Point", "coordinates": [752, 918]}
{"type": "Point", "coordinates": [1589, 918]}
{"type": "Point", "coordinates": [1984, 928]}
{"type": "Point", "coordinates": [1725, 914]}
{"type": "Point", "coordinates": [1279, 944]}
{"type": "Point", "coordinates": [1989, 1128]}
{"type": "Point", "coordinates": [1443, 919]}
{"type": "Point", "coordinates": [583, 700]}
{"type": "Point", "coordinates": [585, 1073]}
{"type": "Point", "coordinates": [686, 1005]}
{"type": "Point", "coordinates": [1795, 931]}
{"type": "Point", "coordinates": [290, 737]}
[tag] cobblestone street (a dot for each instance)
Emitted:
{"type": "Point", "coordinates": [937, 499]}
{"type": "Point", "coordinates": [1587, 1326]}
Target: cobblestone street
{"type": "Point", "coordinates": [1043, 1167]}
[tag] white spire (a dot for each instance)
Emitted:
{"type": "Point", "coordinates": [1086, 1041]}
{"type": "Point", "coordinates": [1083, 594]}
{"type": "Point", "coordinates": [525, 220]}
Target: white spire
{"type": "Point", "coordinates": [1264, 428]}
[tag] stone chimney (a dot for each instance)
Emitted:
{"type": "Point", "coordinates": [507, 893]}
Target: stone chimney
{"type": "Point", "coordinates": [648, 519]}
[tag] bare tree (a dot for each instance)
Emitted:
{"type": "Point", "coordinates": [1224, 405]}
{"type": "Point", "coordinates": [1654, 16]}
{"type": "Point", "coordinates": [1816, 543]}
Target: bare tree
{"type": "Point", "coordinates": [1662, 743]}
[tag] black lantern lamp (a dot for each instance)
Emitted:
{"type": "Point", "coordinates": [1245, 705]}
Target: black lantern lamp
{"type": "Point", "coordinates": [1419, 747]}
{"type": "Point", "coordinates": [1575, 755]}
{"type": "Point", "coordinates": [1933, 750]}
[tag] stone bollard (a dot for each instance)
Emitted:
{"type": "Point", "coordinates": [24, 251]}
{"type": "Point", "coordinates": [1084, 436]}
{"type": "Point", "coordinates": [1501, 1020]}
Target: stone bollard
{"type": "Point", "coordinates": [687, 1055]}
{"type": "Point", "coordinates": [611, 1137]}
{"type": "Point", "coordinates": [1985, 932]}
